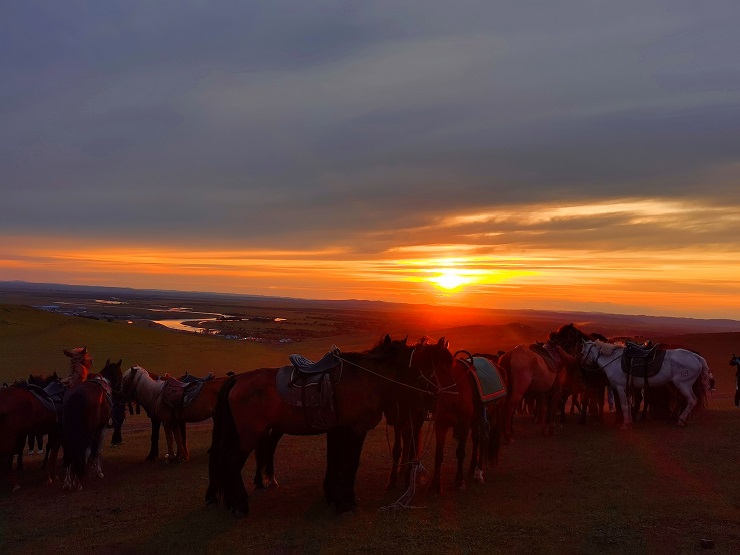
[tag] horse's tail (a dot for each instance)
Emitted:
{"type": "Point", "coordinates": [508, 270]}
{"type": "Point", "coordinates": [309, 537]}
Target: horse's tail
{"type": "Point", "coordinates": [75, 434]}
{"type": "Point", "coordinates": [223, 438]}
{"type": "Point", "coordinates": [702, 385]}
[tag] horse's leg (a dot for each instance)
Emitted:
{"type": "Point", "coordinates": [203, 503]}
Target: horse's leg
{"type": "Point", "coordinates": [96, 453]}
{"type": "Point", "coordinates": [168, 433]}
{"type": "Point", "coordinates": [395, 457]}
{"type": "Point", "coordinates": [411, 446]}
{"type": "Point", "coordinates": [6, 467]}
{"type": "Point", "coordinates": [691, 400]}
{"type": "Point", "coordinates": [52, 450]}
{"type": "Point", "coordinates": [462, 439]}
{"type": "Point", "coordinates": [624, 402]}
{"type": "Point", "coordinates": [334, 440]}
{"type": "Point", "coordinates": [511, 404]}
{"type": "Point", "coordinates": [350, 461]}
{"type": "Point", "coordinates": [269, 467]}
{"type": "Point", "coordinates": [264, 455]}
{"type": "Point", "coordinates": [154, 449]}
{"type": "Point", "coordinates": [184, 439]}
{"type": "Point", "coordinates": [441, 435]}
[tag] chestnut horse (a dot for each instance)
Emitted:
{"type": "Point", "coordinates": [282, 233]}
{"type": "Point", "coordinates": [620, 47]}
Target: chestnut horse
{"type": "Point", "coordinates": [529, 373]}
{"type": "Point", "coordinates": [149, 392]}
{"type": "Point", "coordinates": [22, 413]}
{"type": "Point", "coordinates": [250, 408]}
{"type": "Point", "coordinates": [85, 415]}
{"type": "Point", "coordinates": [459, 406]}
{"type": "Point", "coordinates": [735, 361]}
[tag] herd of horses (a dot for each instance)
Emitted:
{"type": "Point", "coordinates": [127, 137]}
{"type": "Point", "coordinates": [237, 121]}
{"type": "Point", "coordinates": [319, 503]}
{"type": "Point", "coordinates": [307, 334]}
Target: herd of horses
{"type": "Point", "coordinates": [344, 396]}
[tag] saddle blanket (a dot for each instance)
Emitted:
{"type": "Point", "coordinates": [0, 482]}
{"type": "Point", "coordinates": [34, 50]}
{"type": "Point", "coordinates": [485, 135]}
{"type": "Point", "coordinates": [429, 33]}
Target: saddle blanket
{"type": "Point", "coordinates": [488, 379]}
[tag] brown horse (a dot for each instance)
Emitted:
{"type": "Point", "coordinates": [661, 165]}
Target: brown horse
{"type": "Point", "coordinates": [250, 408]}
{"type": "Point", "coordinates": [23, 414]}
{"type": "Point", "coordinates": [85, 415]}
{"type": "Point", "coordinates": [531, 373]}
{"type": "Point", "coordinates": [151, 393]}
{"type": "Point", "coordinates": [459, 406]}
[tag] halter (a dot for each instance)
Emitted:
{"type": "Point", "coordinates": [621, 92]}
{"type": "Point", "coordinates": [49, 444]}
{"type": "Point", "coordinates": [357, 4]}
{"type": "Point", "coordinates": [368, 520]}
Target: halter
{"type": "Point", "coordinates": [596, 358]}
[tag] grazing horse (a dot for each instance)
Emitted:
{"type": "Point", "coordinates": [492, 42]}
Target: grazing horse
{"type": "Point", "coordinates": [85, 415]}
{"type": "Point", "coordinates": [735, 361]}
{"type": "Point", "coordinates": [152, 394]}
{"type": "Point", "coordinates": [359, 386]}
{"type": "Point", "coordinates": [460, 407]}
{"type": "Point", "coordinates": [531, 371]}
{"type": "Point", "coordinates": [680, 367]}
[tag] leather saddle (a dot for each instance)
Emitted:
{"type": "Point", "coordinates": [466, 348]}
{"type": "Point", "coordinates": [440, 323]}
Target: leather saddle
{"type": "Point", "coordinates": [189, 378]}
{"type": "Point", "coordinates": [310, 385]}
{"type": "Point", "coordinates": [642, 361]}
{"type": "Point", "coordinates": [549, 353]}
{"type": "Point", "coordinates": [51, 396]}
{"type": "Point", "coordinates": [178, 394]}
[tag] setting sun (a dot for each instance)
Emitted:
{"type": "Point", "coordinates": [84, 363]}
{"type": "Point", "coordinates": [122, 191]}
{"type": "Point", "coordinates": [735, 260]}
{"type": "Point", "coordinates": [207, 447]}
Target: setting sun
{"type": "Point", "coordinates": [450, 280]}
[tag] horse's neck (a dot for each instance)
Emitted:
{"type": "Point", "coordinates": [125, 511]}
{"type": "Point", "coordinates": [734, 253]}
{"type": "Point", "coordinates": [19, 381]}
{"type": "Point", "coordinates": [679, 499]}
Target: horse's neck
{"type": "Point", "coordinates": [148, 390]}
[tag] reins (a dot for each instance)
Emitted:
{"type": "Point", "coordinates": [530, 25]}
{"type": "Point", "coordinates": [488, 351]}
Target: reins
{"type": "Point", "coordinates": [396, 382]}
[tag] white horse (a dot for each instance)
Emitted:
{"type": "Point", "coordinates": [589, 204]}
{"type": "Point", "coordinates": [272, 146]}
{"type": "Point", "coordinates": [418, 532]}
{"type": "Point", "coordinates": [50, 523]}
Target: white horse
{"type": "Point", "coordinates": [680, 367]}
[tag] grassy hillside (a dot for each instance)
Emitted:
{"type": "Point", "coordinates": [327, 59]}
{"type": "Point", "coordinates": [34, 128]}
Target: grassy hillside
{"type": "Point", "coordinates": [32, 341]}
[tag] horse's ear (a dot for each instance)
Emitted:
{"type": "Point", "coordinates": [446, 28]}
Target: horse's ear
{"type": "Point", "coordinates": [67, 353]}
{"type": "Point", "coordinates": [107, 361]}
{"type": "Point", "coordinates": [441, 341]}
{"type": "Point", "coordinates": [30, 377]}
{"type": "Point", "coordinates": [120, 360]}
{"type": "Point", "coordinates": [54, 375]}
{"type": "Point", "coordinates": [84, 351]}
{"type": "Point", "coordinates": [387, 339]}
{"type": "Point", "coordinates": [406, 339]}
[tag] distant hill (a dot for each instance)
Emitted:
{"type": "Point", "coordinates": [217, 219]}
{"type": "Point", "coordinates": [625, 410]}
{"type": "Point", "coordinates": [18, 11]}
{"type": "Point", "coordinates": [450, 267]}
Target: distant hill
{"type": "Point", "coordinates": [437, 317]}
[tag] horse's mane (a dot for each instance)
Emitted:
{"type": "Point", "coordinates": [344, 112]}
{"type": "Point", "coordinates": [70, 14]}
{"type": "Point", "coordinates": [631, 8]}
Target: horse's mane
{"type": "Point", "coordinates": [606, 348]}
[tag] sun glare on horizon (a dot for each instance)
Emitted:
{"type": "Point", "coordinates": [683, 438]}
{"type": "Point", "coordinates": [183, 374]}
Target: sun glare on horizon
{"type": "Point", "coordinates": [450, 280]}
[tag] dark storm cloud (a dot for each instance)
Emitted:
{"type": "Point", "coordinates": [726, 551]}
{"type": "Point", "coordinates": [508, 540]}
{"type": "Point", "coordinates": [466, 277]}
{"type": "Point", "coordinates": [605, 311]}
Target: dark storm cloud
{"type": "Point", "coordinates": [269, 123]}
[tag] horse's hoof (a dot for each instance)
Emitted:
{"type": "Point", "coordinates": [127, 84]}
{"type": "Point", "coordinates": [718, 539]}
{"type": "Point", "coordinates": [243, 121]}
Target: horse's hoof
{"type": "Point", "coordinates": [272, 484]}
{"type": "Point", "coordinates": [210, 505]}
{"type": "Point", "coordinates": [238, 513]}
{"type": "Point", "coordinates": [100, 475]}
{"type": "Point", "coordinates": [681, 423]}
{"type": "Point", "coordinates": [16, 487]}
{"type": "Point", "coordinates": [626, 427]}
{"type": "Point", "coordinates": [509, 441]}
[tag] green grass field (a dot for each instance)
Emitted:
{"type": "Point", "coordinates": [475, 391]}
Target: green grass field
{"type": "Point", "coordinates": [589, 489]}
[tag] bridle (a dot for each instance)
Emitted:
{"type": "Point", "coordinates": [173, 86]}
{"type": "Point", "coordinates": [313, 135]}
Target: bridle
{"type": "Point", "coordinates": [595, 361]}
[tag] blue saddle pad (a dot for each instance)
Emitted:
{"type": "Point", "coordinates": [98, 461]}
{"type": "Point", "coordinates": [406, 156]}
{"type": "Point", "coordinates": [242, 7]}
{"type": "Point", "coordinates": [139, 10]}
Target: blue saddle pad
{"type": "Point", "coordinates": [488, 379]}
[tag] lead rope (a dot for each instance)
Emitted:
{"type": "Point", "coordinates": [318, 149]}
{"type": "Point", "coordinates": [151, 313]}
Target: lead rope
{"type": "Point", "coordinates": [404, 502]}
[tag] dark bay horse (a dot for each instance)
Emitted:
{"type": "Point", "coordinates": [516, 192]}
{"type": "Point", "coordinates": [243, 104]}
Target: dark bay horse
{"type": "Point", "coordinates": [735, 361]}
{"type": "Point", "coordinates": [149, 391]}
{"type": "Point", "coordinates": [85, 415]}
{"type": "Point", "coordinates": [530, 372]}
{"type": "Point", "coordinates": [250, 409]}
{"type": "Point", "coordinates": [23, 414]}
{"type": "Point", "coordinates": [459, 406]}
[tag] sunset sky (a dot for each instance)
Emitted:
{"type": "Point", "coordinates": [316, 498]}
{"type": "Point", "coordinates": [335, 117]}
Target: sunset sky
{"type": "Point", "coordinates": [570, 155]}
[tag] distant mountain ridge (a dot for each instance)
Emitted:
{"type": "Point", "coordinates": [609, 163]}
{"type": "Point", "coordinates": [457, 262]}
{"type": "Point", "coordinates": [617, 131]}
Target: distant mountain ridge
{"type": "Point", "coordinates": [672, 324]}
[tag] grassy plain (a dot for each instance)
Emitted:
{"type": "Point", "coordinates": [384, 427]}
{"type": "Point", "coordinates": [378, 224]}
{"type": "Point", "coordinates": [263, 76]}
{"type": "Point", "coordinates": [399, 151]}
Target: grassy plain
{"type": "Point", "coordinates": [589, 489]}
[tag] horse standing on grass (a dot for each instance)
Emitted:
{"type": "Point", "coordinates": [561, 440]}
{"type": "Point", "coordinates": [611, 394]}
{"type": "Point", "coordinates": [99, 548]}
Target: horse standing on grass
{"type": "Point", "coordinates": [85, 415]}
{"type": "Point", "coordinates": [29, 410]}
{"type": "Point", "coordinates": [537, 371]}
{"type": "Point", "coordinates": [735, 361]}
{"type": "Point", "coordinates": [460, 406]}
{"type": "Point", "coordinates": [680, 367]}
{"type": "Point", "coordinates": [356, 388]}
{"type": "Point", "coordinates": [152, 393]}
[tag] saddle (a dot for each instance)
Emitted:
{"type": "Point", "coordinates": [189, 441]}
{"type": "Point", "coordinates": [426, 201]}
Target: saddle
{"type": "Point", "coordinates": [105, 384]}
{"type": "Point", "coordinates": [487, 377]}
{"type": "Point", "coordinates": [549, 353]}
{"type": "Point", "coordinates": [310, 385]}
{"type": "Point", "coordinates": [51, 396]}
{"type": "Point", "coordinates": [642, 361]}
{"type": "Point", "coordinates": [179, 395]}
{"type": "Point", "coordinates": [188, 378]}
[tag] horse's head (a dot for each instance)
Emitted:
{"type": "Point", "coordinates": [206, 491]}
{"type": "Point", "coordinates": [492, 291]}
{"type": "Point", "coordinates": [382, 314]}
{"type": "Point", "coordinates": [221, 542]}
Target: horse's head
{"type": "Point", "coordinates": [589, 353]}
{"type": "Point", "coordinates": [429, 361]}
{"type": "Point", "coordinates": [734, 360]}
{"type": "Point", "coordinates": [129, 380]}
{"type": "Point", "coordinates": [112, 372]}
{"type": "Point", "coordinates": [79, 355]}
